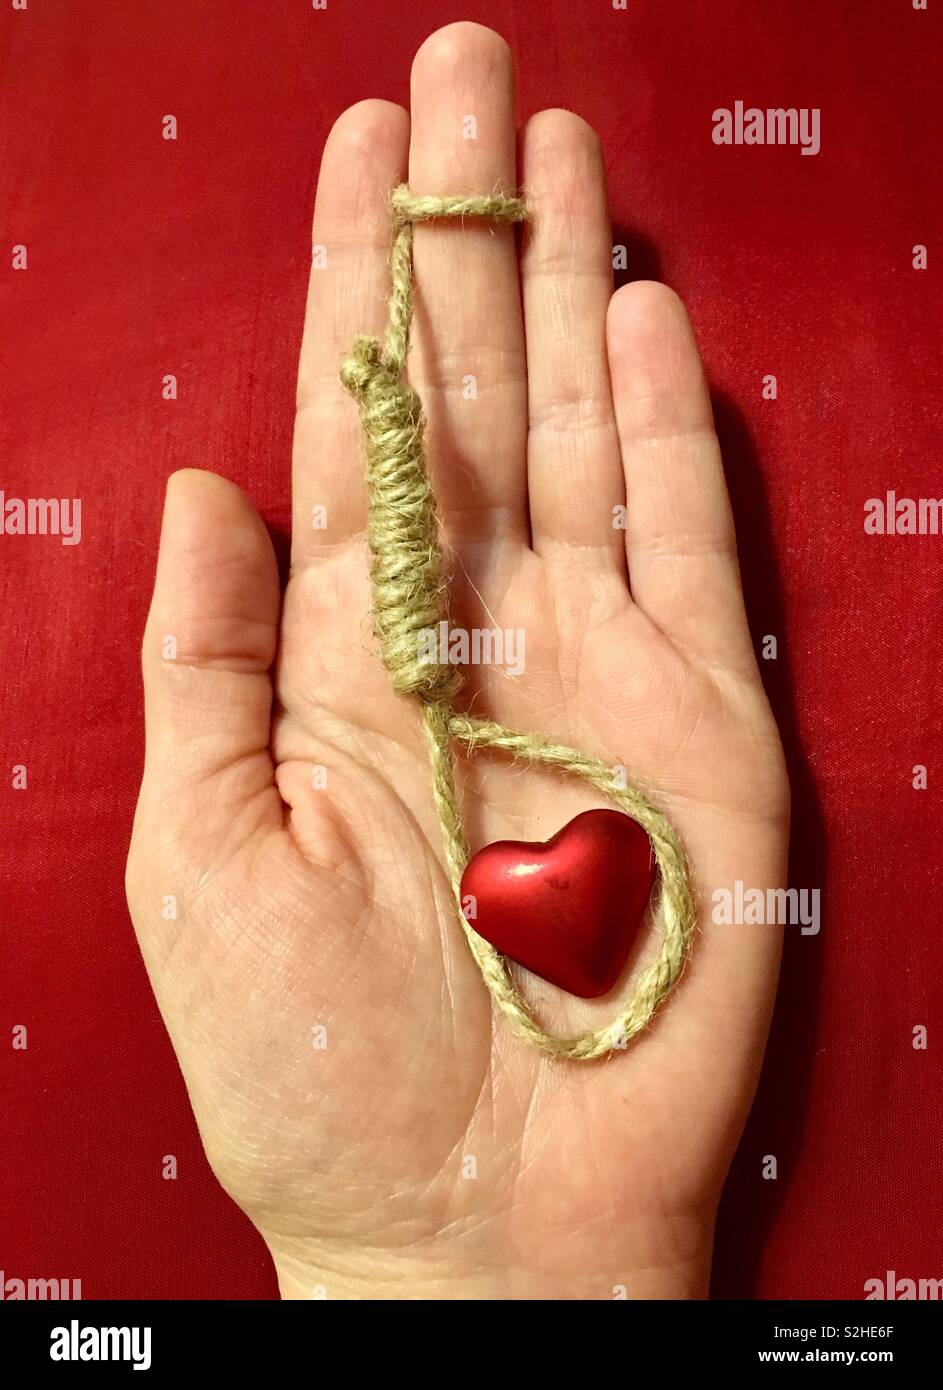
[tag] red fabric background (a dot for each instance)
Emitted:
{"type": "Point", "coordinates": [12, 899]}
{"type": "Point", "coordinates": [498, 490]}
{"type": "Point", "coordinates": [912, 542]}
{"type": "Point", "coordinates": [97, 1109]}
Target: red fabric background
{"type": "Point", "coordinates": [148, 257]}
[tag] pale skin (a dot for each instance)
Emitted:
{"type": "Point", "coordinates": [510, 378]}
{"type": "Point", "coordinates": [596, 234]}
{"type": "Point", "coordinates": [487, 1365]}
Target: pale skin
{"type": "Point", "coordinates": [357, 1095]}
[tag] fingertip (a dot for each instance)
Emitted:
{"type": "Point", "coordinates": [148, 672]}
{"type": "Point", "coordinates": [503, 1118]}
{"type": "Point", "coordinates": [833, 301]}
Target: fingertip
{"type": "Point", "coordinates": [447, 53]}
{"type": "Point", "coordinates": [547, 131]}
{"type": "Point", "coordinates": [462, 73]}
{"type": "Point", "coordinates": [187, 482]}
{"type": "Point", "coordinates": [199, 494]}
{"type": "Point", "coordinates": [216, 567]}
{"type": "Point", "coordinates": [657, 375]}
{"type": "Point", "coordinates": [368, 129]}
{"type": "Point", "coordinates": [644, 311]}
{"type": "Point", "coordinates": [203, 511]}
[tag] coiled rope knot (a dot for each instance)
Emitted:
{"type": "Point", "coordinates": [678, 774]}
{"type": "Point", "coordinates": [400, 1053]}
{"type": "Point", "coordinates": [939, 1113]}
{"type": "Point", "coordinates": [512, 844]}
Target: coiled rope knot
{"type": "Point", "coordinates": [363, 370]}
{"type": "Point", "coordinates": [410, 600]}
{"type": "Point", "coordinates": [409, 589]}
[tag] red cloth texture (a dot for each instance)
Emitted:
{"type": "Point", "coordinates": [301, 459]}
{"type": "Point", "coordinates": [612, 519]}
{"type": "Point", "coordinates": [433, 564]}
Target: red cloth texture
{"type": "Point", "coordinates": [148, 257]}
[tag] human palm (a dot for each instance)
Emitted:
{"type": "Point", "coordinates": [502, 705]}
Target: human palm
{"type": "Point", "coordinates": [385, 1130]}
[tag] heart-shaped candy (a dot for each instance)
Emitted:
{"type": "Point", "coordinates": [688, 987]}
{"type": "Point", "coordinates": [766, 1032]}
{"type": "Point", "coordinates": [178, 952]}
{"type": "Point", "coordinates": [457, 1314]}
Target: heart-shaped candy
{"type": "Point", "coordinates": [570, 908]}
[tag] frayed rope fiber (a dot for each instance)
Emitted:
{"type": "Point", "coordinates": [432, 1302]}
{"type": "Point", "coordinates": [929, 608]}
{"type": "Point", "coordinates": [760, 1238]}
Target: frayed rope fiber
{"type": "Point", "coordinates": [410, 597]}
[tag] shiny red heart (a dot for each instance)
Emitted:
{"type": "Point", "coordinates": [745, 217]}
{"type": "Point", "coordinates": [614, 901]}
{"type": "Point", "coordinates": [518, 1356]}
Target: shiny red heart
{"type": "Point", "coordinates": [570, 908]}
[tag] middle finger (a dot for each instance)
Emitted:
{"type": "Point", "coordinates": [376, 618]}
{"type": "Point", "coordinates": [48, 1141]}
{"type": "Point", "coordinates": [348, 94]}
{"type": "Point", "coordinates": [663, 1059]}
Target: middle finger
{"type": "Point", "coordinates": [468, 361]}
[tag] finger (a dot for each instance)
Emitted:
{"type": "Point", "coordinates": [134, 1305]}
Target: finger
{"type": "Point", "coordinates": [468, 363]}
{"type": "Point", "coordinates": [364, 159]}
{"type": "Point", "coordinates": [574, 467]}
{"type": "Point", "coordinates": [208, 648]}
{"type": "Point", "coordinates": [679, 534]}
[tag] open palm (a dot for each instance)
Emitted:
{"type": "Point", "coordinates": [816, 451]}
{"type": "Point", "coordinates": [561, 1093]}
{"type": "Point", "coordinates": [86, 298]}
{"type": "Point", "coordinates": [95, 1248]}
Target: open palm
{"type": "Point", "coordinates": [386, 1132]}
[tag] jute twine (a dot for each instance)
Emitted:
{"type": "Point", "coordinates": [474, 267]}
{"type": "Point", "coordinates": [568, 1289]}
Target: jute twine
{"type": "Point", "coordinates": [410, 598]}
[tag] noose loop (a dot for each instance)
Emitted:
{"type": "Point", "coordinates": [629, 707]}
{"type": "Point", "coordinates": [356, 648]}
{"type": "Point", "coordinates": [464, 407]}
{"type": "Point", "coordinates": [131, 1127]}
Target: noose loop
{"type": "Point", "coordinates": [410, 598]}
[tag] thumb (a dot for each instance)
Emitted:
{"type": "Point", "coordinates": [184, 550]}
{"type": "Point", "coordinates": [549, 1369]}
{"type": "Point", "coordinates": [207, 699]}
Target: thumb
{"type": "Point", "coordinates": [209, 644]}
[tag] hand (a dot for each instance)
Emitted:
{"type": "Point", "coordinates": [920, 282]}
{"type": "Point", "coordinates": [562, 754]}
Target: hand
{"type": "Point", "coordinates": [385, 1131]}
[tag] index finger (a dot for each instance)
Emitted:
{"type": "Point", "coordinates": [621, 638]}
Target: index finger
{"type": "Point", "coordinates": [364, 159]}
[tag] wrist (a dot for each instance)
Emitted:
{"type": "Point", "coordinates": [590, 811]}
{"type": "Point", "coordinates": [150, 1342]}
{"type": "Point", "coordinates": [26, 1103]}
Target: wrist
{"type": "Point", "coordinates": [669, 1269]}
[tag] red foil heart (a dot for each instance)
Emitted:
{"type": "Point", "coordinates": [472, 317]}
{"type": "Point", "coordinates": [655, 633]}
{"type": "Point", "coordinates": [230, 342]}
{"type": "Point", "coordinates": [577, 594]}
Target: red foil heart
{"type": "Point", "coordinates": [568, 909]}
